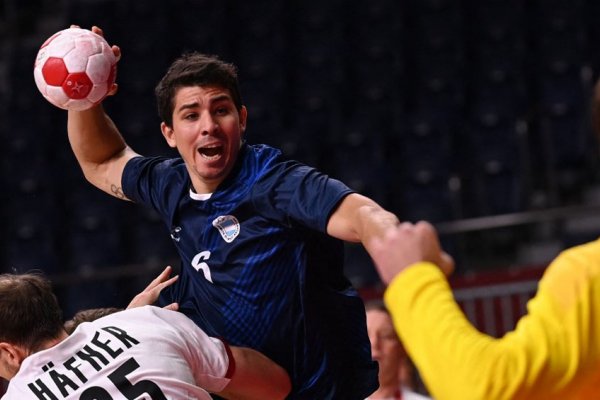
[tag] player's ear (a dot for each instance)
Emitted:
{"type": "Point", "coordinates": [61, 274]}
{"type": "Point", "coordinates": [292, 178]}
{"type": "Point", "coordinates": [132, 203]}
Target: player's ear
{"type": "Point", "coordinates": [168, 133]}
{"type": "Point", "coordinates": [243, 118]}
{"type": "Point", "coordinates": [11, 357]}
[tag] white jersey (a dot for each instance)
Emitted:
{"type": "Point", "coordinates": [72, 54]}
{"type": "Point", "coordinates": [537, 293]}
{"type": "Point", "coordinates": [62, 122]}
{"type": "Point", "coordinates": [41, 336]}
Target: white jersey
{"type": "Point", "coordinates": [145, 353]}
{"type": "Point", "coordinates": [404, 394]}
{"type": "Point", "coordinates": [410, 395]}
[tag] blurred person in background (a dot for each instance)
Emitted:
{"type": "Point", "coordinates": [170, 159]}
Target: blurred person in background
{"type": "Point", "coordinates": [387, 350]}
{"type": "Point", "coordinates": [143, 351]}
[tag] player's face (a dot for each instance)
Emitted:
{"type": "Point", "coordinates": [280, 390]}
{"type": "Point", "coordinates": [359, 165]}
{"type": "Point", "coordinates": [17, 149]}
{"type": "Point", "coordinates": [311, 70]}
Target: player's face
{"type": "Point", "coordinates": [386, 348]}
{"type": "Point", "coordinates": [207, 131]}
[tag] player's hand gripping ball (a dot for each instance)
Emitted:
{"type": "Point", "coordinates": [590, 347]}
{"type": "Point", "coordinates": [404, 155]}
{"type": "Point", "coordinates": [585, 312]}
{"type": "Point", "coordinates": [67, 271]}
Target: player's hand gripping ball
{"type": "Point", "coordinates": [75, 69]}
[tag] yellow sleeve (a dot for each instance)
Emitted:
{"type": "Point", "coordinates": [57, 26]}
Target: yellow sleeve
{"type": "Point", "coordinates": [553, 351]}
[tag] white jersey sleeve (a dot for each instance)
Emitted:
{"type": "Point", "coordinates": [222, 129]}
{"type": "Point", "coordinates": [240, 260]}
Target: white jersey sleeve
{"type": "Point", "coordinates": [141, 353]}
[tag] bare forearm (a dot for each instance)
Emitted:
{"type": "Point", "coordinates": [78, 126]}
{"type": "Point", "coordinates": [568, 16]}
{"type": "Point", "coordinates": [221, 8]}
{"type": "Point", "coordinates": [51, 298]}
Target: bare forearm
{"type": "Point", "coordinates": [360, 219]}
{"type": "Point", "coordinates": [99, 148]}
{"type": "Point", "coordinates": [374, 221]}
{"type": "Point", "coordinates": [256, 377]}
{"type": "Point", "coordinates": [94, 137]}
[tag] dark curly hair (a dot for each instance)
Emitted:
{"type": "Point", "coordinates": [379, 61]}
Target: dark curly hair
{"type": "Point", "coordinates": [195, 69]}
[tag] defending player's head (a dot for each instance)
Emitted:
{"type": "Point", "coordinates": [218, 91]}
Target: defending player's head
{"type": "Point", "coordinates": [29, 310]}
{"type": "Point", "coordinates": [195, 69]}
{"type": "Point", "coordinates": [29, 317]}
{"type": "Point", "coordinates": [89, 315]}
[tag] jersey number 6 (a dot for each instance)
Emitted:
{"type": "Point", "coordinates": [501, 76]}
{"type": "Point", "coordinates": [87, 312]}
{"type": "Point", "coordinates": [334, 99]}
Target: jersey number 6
{"type": "Point", "coordinates": [199, 264]}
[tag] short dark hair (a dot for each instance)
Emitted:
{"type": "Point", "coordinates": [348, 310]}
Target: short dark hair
{"type": "Point", "coordinates": [29, 310]}
{"type": "Point", "coordinates": [195, 69]}
{"type": "Point", "coordinates": [88, 316]}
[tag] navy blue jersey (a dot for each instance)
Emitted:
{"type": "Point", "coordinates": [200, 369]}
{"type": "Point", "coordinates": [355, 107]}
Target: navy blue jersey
{"type": "Point", "coordinates": [259, 270]}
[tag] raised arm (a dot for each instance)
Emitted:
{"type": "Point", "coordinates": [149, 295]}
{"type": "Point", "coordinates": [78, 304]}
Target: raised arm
{"type": "Point", "coordinates": [551, 354]}
{"type": "Point", "coordinates": [98, 145]}
{"type": "Point", "coordinates": [256, 377]}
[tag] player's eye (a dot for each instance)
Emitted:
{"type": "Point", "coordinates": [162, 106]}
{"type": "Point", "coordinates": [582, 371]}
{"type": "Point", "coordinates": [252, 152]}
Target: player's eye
{"type": "Point", "coordinates": [191, 116]}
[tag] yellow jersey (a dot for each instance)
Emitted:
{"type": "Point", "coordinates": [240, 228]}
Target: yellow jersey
{"type": "Point", "coordinates": [553, 352]}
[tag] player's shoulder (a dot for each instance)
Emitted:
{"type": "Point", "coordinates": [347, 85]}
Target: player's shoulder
{"type": "Point", "coordinates": [161, 174]}
{"type": "Point", "coordinates": [156, 162]}
{"type": "Point", "coordinates": [150, 312]}
{"type": "Point", "coordinates": [586, 253]}
{"type": "Point", "coordinates": [261, 155]}
{"type": "Point", "coordinates": [580, 260]}
{"type": "Point", "coordinates": [259, 162]}
{"type": "Point", "coordinates": [144, 319]}
{"type": "Point", "coordinates": [135, 315]}
{"type": "Point", "coordinates": [261, 149]}
{"type": "Point", "coordinates": [145, 311]}
{"type": "Point", "coordinates": [266, 160]}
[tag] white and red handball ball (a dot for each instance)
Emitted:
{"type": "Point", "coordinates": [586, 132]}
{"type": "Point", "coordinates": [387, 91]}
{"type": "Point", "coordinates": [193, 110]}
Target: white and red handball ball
{"type": "Point", "coordinates": [74, 69]}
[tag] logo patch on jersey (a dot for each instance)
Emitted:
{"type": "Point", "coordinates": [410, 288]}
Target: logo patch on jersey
{"type": "Point", "coordinates": [228, 227]}
{"type": "Point", "coordinates": [175, 233]}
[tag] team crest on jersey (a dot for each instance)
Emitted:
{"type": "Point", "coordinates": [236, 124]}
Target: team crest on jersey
{"type": "Point", "coordinates": [228, 226]}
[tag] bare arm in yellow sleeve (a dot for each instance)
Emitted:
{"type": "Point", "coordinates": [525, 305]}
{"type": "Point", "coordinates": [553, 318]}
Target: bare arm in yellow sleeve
{"type": "Point", "coordinates": [553, 353]}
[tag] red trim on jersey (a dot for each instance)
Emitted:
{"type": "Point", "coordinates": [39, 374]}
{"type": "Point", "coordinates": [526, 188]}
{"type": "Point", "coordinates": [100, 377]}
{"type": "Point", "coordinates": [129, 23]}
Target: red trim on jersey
{"type": "Point", "coordinates": [397, 395]}
{"type": "Point", "coordinates": [231, 368]}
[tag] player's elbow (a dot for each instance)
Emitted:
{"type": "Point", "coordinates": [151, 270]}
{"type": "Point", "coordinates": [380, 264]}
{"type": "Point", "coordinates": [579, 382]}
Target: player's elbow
{"type": "Point", "coordinates": [283, 385]}
{"type": "Point", "coordinates": [94, 173]}
{"type": "Point", "coordinates": [256, 377]}
{"type": "Point", "coordinates": [90, 172]}
{"type": "Point", "coordinates": [275, 385]}
{"type": "Point", "coordinates": [107, 175]}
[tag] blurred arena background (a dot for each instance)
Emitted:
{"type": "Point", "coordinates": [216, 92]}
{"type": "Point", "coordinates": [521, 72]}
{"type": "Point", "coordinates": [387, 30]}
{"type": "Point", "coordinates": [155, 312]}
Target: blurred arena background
{"type": "Point", "coordinates": [473, 114]}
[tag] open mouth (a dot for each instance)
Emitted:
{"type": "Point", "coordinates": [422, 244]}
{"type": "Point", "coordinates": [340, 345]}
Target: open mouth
{"type": "Point", "coordinates": [211, 152]}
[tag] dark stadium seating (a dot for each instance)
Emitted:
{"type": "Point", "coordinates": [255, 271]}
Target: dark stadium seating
{"type": "Point", "coordinates": [438, 109]}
